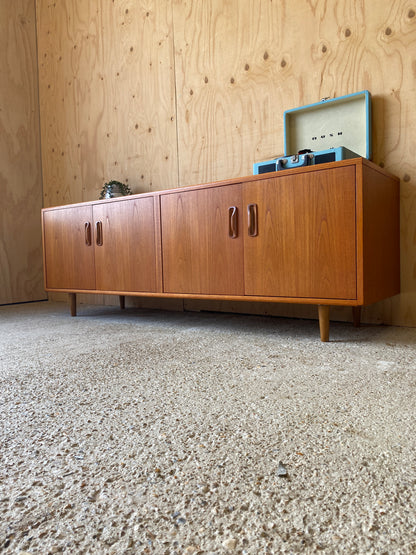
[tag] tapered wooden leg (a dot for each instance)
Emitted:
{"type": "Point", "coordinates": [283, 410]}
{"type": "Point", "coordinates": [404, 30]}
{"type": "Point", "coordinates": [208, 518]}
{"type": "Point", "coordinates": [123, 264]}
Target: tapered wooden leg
{"type": "Point", "coordinates": [356, 316]}
{"type": "Point", "coordinates": [73, 303]}
{"type": "Point", "coordinates": [122, 302]}
{"type": "Point", "coordinates": [323, 311]}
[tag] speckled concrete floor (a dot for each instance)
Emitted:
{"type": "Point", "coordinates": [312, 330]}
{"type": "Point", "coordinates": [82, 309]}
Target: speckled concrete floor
{"type": "Point", "coordinates": [153, 432]}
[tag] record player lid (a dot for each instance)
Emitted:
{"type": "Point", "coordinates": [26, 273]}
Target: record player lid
{"type": "Point", "coordinates": [343, 121]}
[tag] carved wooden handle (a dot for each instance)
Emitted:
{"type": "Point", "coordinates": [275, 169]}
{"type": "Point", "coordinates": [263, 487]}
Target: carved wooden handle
{"type": "Point", "coordinates": [233, 222]}
{"type": "Point", "coordinates": [87, 229]}
{"type": "Point", "coordinates": [252, 220]}
{"type": "Point", "coordinates": [99, 234]}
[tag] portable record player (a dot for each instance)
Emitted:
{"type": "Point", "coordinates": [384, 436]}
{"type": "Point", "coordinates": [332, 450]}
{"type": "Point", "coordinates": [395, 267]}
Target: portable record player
{"type": "Point", "coordinates": [327, 131]}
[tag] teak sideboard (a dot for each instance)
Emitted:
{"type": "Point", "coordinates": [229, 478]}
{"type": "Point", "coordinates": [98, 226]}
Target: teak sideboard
{"type": "Point", "coordinates": [324, 235]}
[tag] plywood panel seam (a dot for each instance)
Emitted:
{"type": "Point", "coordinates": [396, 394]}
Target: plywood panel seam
{"type": "Point", "coordinates": [175, 92]}
{"type": "Point", "coordinates": [38, 98]}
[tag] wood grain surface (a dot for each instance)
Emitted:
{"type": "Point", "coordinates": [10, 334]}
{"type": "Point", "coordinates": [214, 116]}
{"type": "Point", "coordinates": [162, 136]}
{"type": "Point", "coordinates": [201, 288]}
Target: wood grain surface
{"type": "Point", "coordinates": [306, 242]}
{"type": "Point", "coordinates": [241, 64]}
{"type": "Point", "coordinates": [69, 258]}
{"type": "Point", "coordinates": [199, 255]}
{"type": "Point", "coordinates": [126, 260]}
{"type": "Point", "coordinates": [106, 96]}
{"type": "Point", "coordinates": [21, 276]}
{"type": "Point", "coordinates": [183, 92]}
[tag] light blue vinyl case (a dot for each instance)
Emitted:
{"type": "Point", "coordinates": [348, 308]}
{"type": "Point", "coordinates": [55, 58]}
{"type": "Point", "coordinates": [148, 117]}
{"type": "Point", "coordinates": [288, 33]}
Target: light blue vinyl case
{"type": "Point", "coordinates": [332, 129]}
{"type": "Point", "coordinates": [336, 122]}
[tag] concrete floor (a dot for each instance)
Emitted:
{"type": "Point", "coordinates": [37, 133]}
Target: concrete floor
{"type": "Point", "coordinates": [155, 432]}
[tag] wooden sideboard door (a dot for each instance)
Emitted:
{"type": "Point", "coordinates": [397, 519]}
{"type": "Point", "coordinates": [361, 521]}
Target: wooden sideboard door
{"type": "Point", "coordinates": [305, 245]}
{"type": "Point", "coordinates": [125, 245]}
{"type": "Point", "coordinates": [68, 248]}
{"type": "Point", "coordinates": [202, 241]}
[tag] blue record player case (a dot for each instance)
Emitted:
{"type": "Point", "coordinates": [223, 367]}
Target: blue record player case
{"type": "Point", "coordinates": [330, 130]}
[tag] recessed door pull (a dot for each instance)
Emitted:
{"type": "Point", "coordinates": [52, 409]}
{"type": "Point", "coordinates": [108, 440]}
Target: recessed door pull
{"type": "Point", "coordinates": [99, 234]}
{"type": "Point", "coordinates": [252, 220]}
{"type": "Point", "coordinates": [87, 231]}
{"type": "Point", "coordinates": [233, 222]}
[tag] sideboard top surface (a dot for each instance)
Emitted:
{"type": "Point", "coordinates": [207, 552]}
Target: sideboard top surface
{"type": "Point", "coordinates": [357, 162]}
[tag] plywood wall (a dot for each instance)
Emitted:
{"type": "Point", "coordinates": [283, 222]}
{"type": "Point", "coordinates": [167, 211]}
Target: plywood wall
{"type": "Point", "coordinates": [106, 72]}
{"type": "Point", "coordinates": [241, 64]}
{"type": "Point", "coordinates": [173, 93]}
{"type": "Point", "coordinates": [21, 277]}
